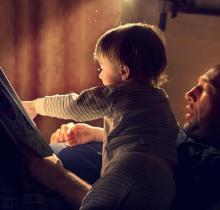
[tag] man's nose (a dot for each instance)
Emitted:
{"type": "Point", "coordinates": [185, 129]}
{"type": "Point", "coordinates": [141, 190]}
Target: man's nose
{"type": "Point", "coordinates": [190, 96]}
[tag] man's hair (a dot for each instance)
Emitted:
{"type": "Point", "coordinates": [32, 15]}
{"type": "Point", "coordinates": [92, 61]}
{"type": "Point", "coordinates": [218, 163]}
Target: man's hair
{"type": "Point", "coordinates": [216, 81]}
{"type": "Point", "coordinates": [139, 46]}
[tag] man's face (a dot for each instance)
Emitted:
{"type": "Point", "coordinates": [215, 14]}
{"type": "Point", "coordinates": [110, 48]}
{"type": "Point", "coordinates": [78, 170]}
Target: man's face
{"type": "Point", "coordinates": [203, 101]}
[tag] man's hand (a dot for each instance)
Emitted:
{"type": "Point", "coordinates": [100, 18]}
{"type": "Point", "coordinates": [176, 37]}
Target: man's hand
{"type": "Point", "coordinates": [30, 108]}
{"type": "Point", "coordinates": [75, 134]}
{"type": "Point", "coordinates": [49, 171]}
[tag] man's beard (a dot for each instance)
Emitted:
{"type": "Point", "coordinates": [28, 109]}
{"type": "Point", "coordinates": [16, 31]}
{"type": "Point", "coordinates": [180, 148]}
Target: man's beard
{"type": "Point", "coordinates": [193, 127]}
{"type": "Point", "coordinates": [207, 131]}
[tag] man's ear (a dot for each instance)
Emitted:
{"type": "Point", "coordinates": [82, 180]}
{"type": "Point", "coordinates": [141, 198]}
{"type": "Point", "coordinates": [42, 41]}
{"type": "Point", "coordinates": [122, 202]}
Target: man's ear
{"type": "Point", "coordinates": [125, 72]}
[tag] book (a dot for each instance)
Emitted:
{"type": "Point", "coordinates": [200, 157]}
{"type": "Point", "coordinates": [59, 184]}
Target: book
{"type": "Point", "coordinates": [15, 121]}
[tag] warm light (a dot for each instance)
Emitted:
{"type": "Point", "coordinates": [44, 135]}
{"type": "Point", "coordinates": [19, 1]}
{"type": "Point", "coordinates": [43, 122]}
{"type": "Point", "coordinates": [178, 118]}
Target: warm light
{"type": "Point", "coordinates": [128, 1]}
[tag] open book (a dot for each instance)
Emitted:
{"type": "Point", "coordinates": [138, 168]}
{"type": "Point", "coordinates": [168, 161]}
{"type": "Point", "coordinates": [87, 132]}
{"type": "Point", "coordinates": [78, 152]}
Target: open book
{"type": "Point", "coordinates": [16, 122]}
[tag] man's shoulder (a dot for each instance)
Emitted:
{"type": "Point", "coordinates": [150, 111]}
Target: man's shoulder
{"type": "Point", "coordinates": [197, 173]}
{"type": "Point", "coordinates": [182, 136]}
{"type": "Point", "coordinates": [197, 153]}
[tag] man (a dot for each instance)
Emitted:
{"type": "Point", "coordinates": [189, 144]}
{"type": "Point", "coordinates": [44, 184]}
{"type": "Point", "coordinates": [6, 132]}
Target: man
{"type": "Point", "coordinates": [198, 168]}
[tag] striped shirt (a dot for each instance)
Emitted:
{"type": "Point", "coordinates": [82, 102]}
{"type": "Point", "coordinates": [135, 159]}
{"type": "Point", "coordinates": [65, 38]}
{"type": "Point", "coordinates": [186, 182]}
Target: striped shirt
{"type": "Point", "coordinates": [138, 121]}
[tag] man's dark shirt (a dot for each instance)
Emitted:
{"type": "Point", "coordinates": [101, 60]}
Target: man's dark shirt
{"type": "Point", "coordinates": [18, 191]}
{"type": "Point", "coordinates": [197, 174]}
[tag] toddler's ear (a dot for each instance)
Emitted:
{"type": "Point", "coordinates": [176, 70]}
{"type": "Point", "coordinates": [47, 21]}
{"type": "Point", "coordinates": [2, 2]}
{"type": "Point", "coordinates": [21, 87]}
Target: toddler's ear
{"type": "Point", "coordinates": [125, 72]}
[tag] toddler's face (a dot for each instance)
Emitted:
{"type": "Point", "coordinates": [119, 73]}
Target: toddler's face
{"type": "Point", "coordinates": [109, 72]}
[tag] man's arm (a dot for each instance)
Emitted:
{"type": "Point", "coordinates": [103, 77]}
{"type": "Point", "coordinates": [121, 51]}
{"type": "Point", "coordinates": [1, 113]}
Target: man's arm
{"type": "Point", "coordinates": [73, 189]}
{"type": "Point", "coordinates": [50, 172]}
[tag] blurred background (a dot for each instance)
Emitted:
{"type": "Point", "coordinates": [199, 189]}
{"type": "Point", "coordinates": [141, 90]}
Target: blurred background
{"type": "Point", "coordinates": [46, 46]}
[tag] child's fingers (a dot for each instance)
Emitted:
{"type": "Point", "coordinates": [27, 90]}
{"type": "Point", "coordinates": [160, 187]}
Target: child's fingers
{"type": "Point", "coordinates": [64, 130]}
{"type": "Point", "coordinates": [72, 143]}
{"type": "Point", "coordinates": [57, 137]}
{"type": "Point", "coordinates": [69, 131]}
{"type": "Point", "coordinates": [71, 137]}
{"type": "Point", "coordinates": [70, 134]}
{"type": "Point", "coordinates": [54, 137]}
{"type": "Point", "coordinates": [61, 136]}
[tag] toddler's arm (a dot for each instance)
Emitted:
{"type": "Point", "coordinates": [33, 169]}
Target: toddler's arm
{"type": "Point", "coordinates": [90, 104]}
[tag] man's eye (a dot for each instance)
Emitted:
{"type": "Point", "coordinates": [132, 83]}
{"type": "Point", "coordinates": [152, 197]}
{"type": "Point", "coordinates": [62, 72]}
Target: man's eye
{"type": "Point", "coordinates": [100, 69]}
